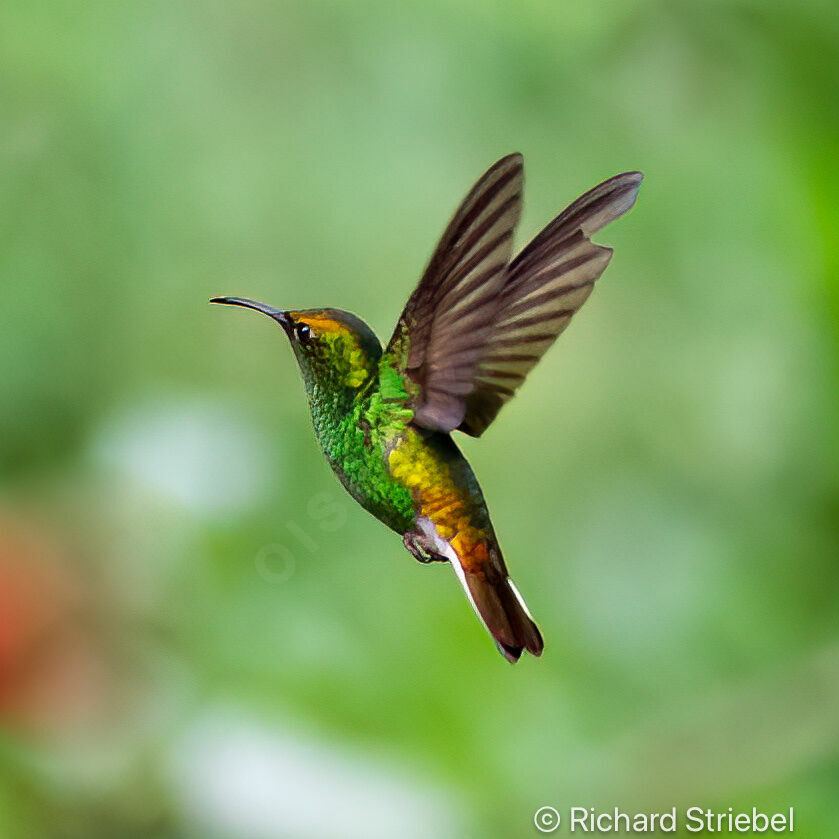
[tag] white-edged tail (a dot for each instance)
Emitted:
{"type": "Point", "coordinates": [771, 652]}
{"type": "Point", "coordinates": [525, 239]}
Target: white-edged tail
{"type": "Point", "coordinates": [502, 610]}
{"type": "Point", "coordinates": [494, 597]}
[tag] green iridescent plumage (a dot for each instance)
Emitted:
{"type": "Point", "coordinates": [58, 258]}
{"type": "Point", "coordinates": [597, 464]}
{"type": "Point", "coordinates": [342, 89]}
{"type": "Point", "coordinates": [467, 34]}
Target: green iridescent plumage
{"type": "Point", "coordinates": [474, 327]}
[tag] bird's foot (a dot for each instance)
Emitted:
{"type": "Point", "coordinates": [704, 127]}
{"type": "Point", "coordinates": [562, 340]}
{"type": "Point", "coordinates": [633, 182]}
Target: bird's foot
{"type": "Point", "coordinates": [421, 548]}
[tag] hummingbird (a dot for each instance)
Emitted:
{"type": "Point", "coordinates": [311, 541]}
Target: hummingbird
{"type": "Point", "coordinates": [473, 328]}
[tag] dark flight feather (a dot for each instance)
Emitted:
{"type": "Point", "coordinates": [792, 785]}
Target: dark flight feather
{"type": "Point", "coordinates": [546, 285]}
{"type": "Point", "coordinates": [448, 320]}
{"type": "Point", "coordinates": [477, 323]}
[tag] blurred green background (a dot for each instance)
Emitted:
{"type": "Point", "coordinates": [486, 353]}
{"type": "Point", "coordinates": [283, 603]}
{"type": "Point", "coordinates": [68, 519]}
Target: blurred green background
{"type": "Point", "coordinates": [200, 634]}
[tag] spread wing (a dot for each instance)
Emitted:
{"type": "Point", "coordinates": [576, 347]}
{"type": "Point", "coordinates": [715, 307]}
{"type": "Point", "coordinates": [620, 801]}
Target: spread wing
{"type": "Point", "coordinates": [446, 324]}
{"type": "Point", "coordinates": [546, 284]}
{"type": "Point", "coordinates": [477, 323]}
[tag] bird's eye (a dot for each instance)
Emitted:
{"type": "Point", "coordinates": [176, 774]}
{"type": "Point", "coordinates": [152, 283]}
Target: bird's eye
{"type": "Point", "coordinates": [304, 333]}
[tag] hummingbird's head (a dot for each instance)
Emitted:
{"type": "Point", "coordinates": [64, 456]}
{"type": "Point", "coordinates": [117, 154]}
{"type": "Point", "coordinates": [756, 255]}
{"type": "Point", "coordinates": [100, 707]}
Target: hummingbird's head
{"type": "Point", "coordinates": [335, 349]}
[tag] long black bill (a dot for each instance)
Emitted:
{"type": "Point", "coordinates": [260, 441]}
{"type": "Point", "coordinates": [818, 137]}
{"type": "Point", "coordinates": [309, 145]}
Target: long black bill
{"type": "Point", "coordinates": [272, 312]}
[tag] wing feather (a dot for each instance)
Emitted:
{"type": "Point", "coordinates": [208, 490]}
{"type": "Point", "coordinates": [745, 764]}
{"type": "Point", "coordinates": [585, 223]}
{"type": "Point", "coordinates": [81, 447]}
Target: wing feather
{"type": "Point", "coordinates": [546, 285]}
{"type": "Point", "coordinates": [477, 323]}
{"type": "Point", "coordinates": [446, 324]}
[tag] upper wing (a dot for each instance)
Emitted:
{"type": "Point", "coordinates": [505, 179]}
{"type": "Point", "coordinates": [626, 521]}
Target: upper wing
{"type": "Point", "coordinates": [545, 286]}
{"type": "Point", "coordinates": [444, 329]}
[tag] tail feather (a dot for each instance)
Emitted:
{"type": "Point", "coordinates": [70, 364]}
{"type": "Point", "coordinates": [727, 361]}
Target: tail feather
{"type": "Point", "coordinates": [498, 604]}
{"type": "Point", "coordinates": [492, 593]}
